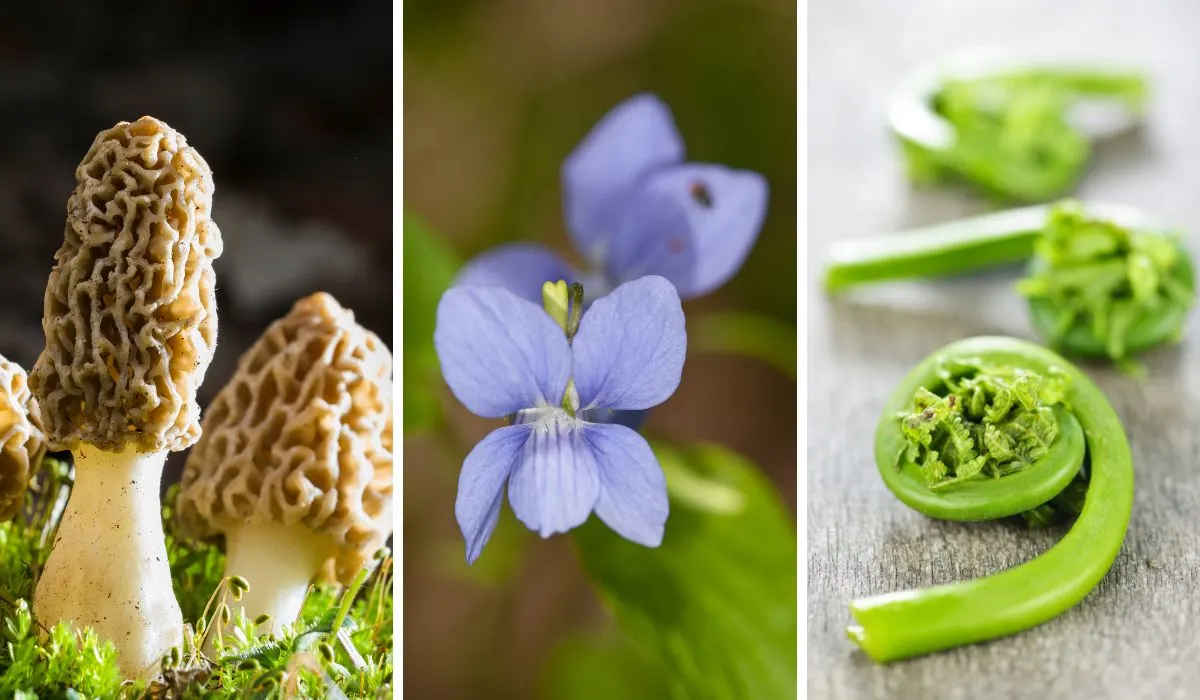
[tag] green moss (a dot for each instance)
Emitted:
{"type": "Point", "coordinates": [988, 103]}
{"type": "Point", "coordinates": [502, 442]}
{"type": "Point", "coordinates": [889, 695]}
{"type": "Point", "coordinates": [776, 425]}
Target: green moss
{"type": "Point", "coordinates": [340, 647]}
{"type": "Point", "coordinates": [65, 664]}
{"type": "Point", "coordinates": [196, 567]}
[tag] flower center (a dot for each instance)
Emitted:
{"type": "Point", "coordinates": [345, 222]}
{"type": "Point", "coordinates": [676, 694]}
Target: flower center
{"type": "Point", "coordinates": [547, 419]}
{"type": "Point", "coordinates": [564, 304]}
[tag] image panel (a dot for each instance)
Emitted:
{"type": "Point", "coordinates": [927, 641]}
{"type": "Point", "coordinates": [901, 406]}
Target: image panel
{"type": "Point", "coordinates": [1001, 352]}
{"type": "Point", "coordinates": [599, 350]}
{"type": "Point", "coordinates": [196, 383]}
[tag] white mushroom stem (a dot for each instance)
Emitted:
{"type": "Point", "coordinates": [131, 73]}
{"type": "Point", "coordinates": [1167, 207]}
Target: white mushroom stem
{"type": "Point", "coordinates": [278, 561]}
{"type": "Point", "coordinates": [108, 568]}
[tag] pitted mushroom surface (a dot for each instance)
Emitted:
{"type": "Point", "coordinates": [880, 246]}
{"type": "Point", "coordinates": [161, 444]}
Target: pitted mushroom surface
{"type": "Point", "coordinates": [130, 317]}
{"type": "Point", "coordinates": [295, 464]}
{"type": "Point", "coordinates": [22, 440]}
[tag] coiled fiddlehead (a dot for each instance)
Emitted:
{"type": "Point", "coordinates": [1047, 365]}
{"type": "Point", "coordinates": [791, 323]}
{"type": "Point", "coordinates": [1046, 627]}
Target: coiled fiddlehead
{"type": "Point", "coordinates": [1019, 129]}
{"type": "Point", "coordinates": [1017, 430]}
{"type": "Point", "coordinates": [1102, 279]}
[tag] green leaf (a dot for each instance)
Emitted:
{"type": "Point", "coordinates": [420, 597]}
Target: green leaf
{"type": "Point", "coordinates": [429, 268]}
{"type": "Point", "coordinates": [746, 334]}
{"type": "Point", "coordinates": [714, 607]}
{"type": "Point", "coordinates": [501, 560]}
{"type": "Point", "coordinates": [587, 668]}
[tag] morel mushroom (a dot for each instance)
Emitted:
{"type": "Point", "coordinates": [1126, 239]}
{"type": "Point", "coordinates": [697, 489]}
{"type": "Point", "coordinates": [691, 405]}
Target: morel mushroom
{"type": "Point", "coordinates": [130, 324]}
{"type": "Point", "coordinates": [295, 465]}
{"type": "Point", "coordinates": [22, 440]}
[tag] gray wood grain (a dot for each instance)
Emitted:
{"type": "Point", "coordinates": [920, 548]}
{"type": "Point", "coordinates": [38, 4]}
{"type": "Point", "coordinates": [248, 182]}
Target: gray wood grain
{"type": "Point", "coordinates": [1136, 635]}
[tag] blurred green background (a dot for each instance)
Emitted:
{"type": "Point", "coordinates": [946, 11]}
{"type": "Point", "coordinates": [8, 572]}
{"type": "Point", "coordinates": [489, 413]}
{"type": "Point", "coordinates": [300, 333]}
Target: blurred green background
{"type": "Point", "coordinates": [496, 94]}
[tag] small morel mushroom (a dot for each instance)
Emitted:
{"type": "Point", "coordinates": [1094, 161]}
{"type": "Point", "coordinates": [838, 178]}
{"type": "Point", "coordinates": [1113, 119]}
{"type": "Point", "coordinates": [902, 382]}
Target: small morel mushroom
{"type": "Point", "coordinates": [295, 465]}
{"type": "Point", "coordinates": [130, 324]}
{"type": "Point", "coordinates": [22, 439]}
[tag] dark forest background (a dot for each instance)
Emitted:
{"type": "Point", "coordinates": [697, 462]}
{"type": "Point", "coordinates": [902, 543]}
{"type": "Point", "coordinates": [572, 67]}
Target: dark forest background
{"type": "Point", "coordinates": [289, 102]}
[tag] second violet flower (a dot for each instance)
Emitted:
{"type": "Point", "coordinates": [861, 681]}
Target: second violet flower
{"type": "Point", "coordinates": [634, 207]}
{"type": "Point", "coordinates": [556, 380]}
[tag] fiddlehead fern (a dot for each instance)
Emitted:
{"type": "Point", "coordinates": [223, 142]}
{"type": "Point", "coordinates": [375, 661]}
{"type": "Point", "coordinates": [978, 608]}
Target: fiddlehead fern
{"type": "Point", "coordinates": [1097, 288]}
{"type": "Point", "coordinates": [1018, 129]}
{"type": "Point", "coordinates": [1102, 279]}
{"type": "Point", "coordinates": [1017, 430]}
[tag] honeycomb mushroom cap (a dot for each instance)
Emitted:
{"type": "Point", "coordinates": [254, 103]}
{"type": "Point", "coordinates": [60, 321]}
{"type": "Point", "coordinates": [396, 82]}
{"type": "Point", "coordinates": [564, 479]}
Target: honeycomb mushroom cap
{"type": "Point", "coordinates": [130, 310]}
{"type": "Point", "coordinates": [22, 440]}
{"type": "Point", "coordinates": [302, 435]}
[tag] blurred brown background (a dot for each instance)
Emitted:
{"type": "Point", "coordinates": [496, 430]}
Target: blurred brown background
{"type": "Point", "coordinates": [290, 104]}
{"type": "Point", "coordinates": [497, 93]}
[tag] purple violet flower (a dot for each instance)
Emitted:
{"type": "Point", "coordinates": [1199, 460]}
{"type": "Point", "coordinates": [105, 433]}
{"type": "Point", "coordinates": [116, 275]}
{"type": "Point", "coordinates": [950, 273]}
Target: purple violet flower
{"type": "Point", "coordinates": [505, 357]}
{"type": "Point", "coordinates": [635, 208]}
